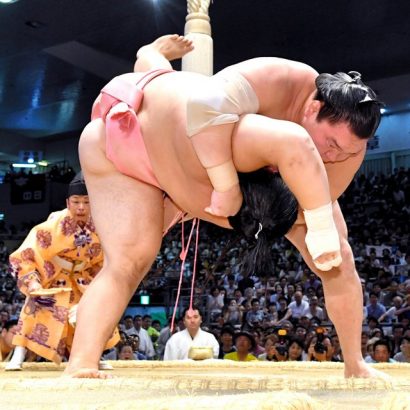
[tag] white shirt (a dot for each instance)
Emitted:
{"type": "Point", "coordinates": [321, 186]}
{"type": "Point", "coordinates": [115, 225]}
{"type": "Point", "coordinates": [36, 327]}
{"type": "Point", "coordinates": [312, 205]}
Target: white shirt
{"type": "Point", "coordinates": [178, 345]}
{"type": "Point", "coordinates": [299, 310]}
{"type": "Point", "coordinates": [146, 345]}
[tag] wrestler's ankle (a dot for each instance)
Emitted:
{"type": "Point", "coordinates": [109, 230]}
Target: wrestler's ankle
{"type": "Point", "coordinates": [75, 364]}
{"type": "Point", "coordinates": [358, 368]}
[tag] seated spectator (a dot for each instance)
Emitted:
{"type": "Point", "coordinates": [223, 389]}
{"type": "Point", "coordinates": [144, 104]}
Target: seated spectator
{"type": "Point", "coordinates": [238, 297]}
{"type": "Point", "coordinates": [271, 317]}
{"type": "Point", "coordinates": [178, 346]}
{"type": "Point", "coordinates": [295, 350]}
{"type": "Point", "coordinates": [226, 342]}
{"type": "Point", "coordinates": [404, 355]}
{"type": "Point", "coordinates": [290, 293]}
{"type": "Point", "coordinates": [369, 358]}
{"type": "Point", "coordinates": [254, 318]}
{"type": "Point", "coordinates": [396, 338]}
{"type": "Point", "coordinates": [271, 353]}
{"type": "Point", "coordinates": [125, 351]}
{"type": "Point", "coordinates": [299, 306]}
{"type": "Point", "coordinates": [232, 313]}
{"type": "Point", "coordinates": [300, 332]}
{"type": "Point", "coordinates": [307, 322]}
{"type": "Point", "coordinates": [215, 303]}
{"type": "Point", "coordinates": [288, 326]}
{"type": "Point", "coordinates": [374, 308]}
{"type": "Point", "coordinates": [127, 323]}
{"type": "Point", "coordinates": [276, 294]}
{"type": "Point", "coordinates": [244, 344]}
{"type": "Point", "coordinates": [381, 352]}
{"type": "Point", "coordinates": [372, 323]}
{"type": "Point", "coordinates": [284, 312]}
{"type": "Point", "coordinates": [134, 342]}
{"type": "Point", "coordinates": [145, 344]}
{"type": "Point", "coordinates": [259, 349]}
{"type": "Point", "coordinates": [148, 325]}
{"type": "Point", "coordinates": [404, 311]}
{"type": "Point", "coordinates": [390, 314]}
{"type": "Point", "coordinates": [6, 336]}
{"type": "Point", "coordinates": [231, 286]}
{"type": "Point", "coordinates": [377, 332]}
{"type": "Point", "coordinates": [320, 348]}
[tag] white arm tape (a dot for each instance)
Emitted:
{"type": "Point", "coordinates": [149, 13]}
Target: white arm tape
{"type": "Point", "coordinates": [322, 235]}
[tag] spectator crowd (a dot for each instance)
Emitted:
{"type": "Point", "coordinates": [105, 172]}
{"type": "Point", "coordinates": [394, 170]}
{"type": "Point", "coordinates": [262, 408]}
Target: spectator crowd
{"type": "Point", "coordinates": [281, 315]}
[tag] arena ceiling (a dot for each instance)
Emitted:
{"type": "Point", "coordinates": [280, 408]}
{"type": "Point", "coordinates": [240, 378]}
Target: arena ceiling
{"type": "Point", "coordinates": [56, 55]}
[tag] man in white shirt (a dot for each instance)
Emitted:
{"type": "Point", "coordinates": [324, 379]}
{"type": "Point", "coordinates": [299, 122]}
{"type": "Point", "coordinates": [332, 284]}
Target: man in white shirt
{"type": "Point", "coordinates": [146, 347]}
{"type": "Point", "coordinates": [177, 347]}
{"type": "Point", "coordinates": [299, 306]}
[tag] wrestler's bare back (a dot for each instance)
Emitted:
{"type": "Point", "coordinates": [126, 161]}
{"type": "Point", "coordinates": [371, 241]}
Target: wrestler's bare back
{"type": "Point", "coordinates": [174, 161]}
{"type": "Point", "coordinates": [163, 124]}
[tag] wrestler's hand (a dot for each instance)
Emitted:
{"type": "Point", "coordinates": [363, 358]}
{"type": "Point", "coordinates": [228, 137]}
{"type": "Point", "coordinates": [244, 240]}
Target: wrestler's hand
{"type": "Point", "coordinates": [225, 203]}
{"type": "Point", "coordinates": [322, 238]}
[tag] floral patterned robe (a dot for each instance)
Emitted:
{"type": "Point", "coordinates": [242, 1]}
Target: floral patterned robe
{"type": "Point", "coordinates": [57, 253]}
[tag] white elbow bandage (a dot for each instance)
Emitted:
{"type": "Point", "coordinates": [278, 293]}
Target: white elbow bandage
{"type": "Point", "coordinates": [322, 235]}
{"type": "Point", "coordinates": [223, 177]}
{"type": "Point", "coordinates": [220, 100]}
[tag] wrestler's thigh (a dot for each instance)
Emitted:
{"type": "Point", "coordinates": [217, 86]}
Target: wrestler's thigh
{"type": "Point", "coordinates": [128, 214]}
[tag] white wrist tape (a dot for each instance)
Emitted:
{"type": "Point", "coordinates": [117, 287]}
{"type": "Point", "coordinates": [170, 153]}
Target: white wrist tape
{"type": "Point", "coordinates": [322, 236]}
{"type": "Point", "coordinates": [223, 177]}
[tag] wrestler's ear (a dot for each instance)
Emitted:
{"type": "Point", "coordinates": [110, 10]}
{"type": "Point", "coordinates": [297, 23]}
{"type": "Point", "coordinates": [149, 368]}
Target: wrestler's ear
{"type": "Point", "coordinates": [313, 108]}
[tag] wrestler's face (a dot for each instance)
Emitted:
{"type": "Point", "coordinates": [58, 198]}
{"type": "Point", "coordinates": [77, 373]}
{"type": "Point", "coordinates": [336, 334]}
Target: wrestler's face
{"type": "Point", "coordinates": [335, 142]}
{"type": "Point", "coordinates": [79, 207]}
{"type": "Point", "coordinates": [192, 320]}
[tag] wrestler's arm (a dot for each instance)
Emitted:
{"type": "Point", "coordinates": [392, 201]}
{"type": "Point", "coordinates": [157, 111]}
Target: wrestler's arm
{"type": "Point", "coordinates": [259, 141]}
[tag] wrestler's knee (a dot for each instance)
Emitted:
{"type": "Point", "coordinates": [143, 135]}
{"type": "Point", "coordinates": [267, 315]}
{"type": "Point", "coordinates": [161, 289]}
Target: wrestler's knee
{"type": "Point", "coordinates": [131, 265]}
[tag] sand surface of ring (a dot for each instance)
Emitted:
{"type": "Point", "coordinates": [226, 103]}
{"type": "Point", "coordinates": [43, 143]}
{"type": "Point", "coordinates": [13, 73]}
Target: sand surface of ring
{"type": "Point", "coordinates": [210, 384]}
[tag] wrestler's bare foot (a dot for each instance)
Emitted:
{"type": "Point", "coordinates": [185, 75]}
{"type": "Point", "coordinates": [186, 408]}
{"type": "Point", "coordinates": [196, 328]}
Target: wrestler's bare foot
{"type": "Point", "coordinates": [171, 46]}
{"type": "Point", "coordinates": [85, 373]}
{"type": "Point", "coordinates": [365, 371]}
